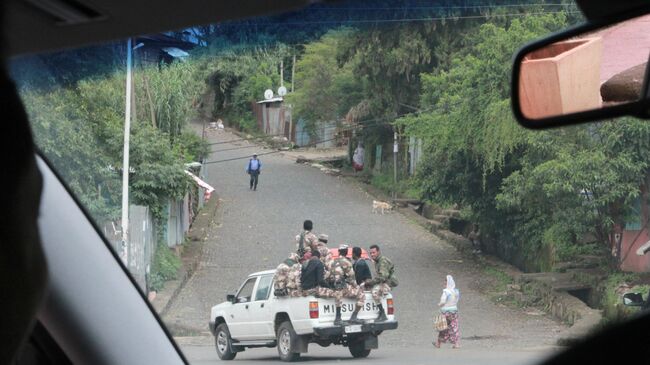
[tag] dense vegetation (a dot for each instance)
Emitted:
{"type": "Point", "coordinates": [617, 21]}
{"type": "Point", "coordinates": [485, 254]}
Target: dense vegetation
{"type": "Point", "coordinates": [442, 77]}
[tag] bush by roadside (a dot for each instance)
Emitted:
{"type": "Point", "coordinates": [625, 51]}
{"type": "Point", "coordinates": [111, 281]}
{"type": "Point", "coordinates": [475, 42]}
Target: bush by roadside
{"type": "Point", "coordinates": [164, 268]}
{"type": "Point", "coordinates": [611, 290]}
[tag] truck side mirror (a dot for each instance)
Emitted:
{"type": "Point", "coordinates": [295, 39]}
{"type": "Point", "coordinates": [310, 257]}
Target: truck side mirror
{"type": "Point", "coordinates": [230, 298]}
{"type": "Point", "coordinates": [633, 299]}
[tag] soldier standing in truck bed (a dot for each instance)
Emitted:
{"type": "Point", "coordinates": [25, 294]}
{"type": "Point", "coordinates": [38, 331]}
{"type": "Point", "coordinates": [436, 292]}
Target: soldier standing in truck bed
{"type": "Point", "coordinates": [306, 240]}
{"type": "Point", "coordinates": [383, 281]}
{"type": "Point", "coordinates": [343, 284]}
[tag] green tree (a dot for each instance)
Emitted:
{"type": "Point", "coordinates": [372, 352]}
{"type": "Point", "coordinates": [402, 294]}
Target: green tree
{"type": "Point", "coordinates": [471, 139]}
{"type": "Point", "coordinates": [90, 118]}
{"type": "Point", "coordinates": [325, 89]}
{"type": "Point", "coordinates": [239, 74]}
{"type": "Point", "coordinates": [536, 195]}
{"type": "Point", "coordinates": [581, 180]}
{"type": "Point", "coordinates": [74, 151]}
{"type": "Point", "coordinates": [168, 96]}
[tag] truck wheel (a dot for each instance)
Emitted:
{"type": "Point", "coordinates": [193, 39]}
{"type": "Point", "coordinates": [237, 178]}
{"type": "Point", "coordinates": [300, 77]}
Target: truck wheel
{"type": "Point", "coordinates": [223, 343]}
{"type": "Point", "coordinates": [286, 338]}
{"type": "Point", "coordinates": [358, 350]}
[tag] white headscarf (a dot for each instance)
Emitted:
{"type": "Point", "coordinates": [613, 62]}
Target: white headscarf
{"type": "Point", "coordinates": [451, 285]}
{"type": "Point", "coordinates": [450, 294]}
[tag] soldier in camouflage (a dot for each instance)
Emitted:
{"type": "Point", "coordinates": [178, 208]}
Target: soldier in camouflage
{"type": "Point", "coordinates": [306, 240]}
{"type": "Point", "coordinates": [341, 280]}
{"type": "Point", "coordinates": [285, 279]}
{"type": "Point", "coordinates": [322, 240]}
{"type": "Point", "coordinates": [383, 281]}
{"type": "Point", "coordinates": [326, 259]}
{"type": "Point", "coordinates": [293, 279]}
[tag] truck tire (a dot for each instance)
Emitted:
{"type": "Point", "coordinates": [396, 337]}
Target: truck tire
{"type": "Point", "coordinates": [286, 337]}
{"type": "Point", "coordinates": [223, 343]}
{"type": "Point", "coordinates": [358, 350]}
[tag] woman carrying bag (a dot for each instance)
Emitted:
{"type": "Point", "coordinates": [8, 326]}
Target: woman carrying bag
{"type": "Point", "coordinates": [449, 310]}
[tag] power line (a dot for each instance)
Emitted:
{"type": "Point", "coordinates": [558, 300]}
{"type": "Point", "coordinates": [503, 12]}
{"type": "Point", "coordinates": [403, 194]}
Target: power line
{"type": "Point", "coordinates": [358, 126]}
{"type": "Point", "coordinates": [232, 149]}
{"type": "Point", "coordinates": [269, 135]}
{"type": "Point", "coordinates": [485, 16]}
{"type": "Point", "coordinates": [262, 137]}
{"type": "Point", "coordinates": [450, 7]}
{"type": "Point", "coordinates": [399, 20]}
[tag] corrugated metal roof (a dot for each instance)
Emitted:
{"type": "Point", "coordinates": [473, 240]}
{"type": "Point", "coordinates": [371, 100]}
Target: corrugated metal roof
{"type": "Point", "coordinates": [274, 100]}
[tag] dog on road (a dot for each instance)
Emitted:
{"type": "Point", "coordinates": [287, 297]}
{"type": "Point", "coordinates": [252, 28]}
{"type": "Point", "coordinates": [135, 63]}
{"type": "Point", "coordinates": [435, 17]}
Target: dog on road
{"type": "Point", "coordinates": [381, 206]}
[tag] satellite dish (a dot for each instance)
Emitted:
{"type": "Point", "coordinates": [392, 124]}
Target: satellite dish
{"type": "Point", "coordinates": [268, 94]}
{"type": "Point", "coordinates": [282, 91]}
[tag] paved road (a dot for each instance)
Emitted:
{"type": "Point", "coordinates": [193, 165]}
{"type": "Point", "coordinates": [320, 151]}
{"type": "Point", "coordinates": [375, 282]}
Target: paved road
{"type": "Point", "coordinates": [256, 232]}
{"type": "Point", "coordinates": [204, 355]}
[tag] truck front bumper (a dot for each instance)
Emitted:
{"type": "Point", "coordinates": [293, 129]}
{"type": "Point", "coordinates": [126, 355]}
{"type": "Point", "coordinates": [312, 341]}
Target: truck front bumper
{"type": "Point", "coordinates": [332, 331]}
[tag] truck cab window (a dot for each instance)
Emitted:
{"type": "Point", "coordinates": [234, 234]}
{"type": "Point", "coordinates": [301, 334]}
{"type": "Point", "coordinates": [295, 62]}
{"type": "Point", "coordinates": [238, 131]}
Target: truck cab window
{"type": "Point", "coordinates": [263, 288]}
{"type": "Point", "coordinates": [246, 291]}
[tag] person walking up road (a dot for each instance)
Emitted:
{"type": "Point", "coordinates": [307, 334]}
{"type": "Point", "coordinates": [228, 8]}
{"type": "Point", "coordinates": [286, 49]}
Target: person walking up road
{"type": "Point", "coordinates": [254, 168]}
{"type": "Point", "coordinates": [449, 308]}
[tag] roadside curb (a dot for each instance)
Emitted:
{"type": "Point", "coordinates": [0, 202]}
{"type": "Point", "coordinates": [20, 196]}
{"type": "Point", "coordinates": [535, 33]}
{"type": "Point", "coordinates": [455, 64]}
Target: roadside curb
{"type": "Point", "coordinates": [190, 257]}
{"type": "Point", "coordinates": [559, 304]}
{"type": "Point", "coordinates": [562, 305]}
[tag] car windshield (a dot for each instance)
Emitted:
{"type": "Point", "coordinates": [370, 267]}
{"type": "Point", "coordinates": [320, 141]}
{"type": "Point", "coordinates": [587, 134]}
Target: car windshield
{"type": "Point", "coordinates": [382, 123]}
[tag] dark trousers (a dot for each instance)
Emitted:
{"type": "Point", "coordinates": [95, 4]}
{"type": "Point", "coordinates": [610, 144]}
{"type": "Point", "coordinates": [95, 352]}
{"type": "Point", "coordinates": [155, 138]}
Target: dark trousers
{"type": "Point", "coordinates": [254, 177]}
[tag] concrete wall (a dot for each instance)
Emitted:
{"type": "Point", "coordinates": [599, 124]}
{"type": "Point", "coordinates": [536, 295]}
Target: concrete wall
{"type": "Point", "coordinates": [142, 243]}
{"type": "Point", "coordinates": [630, 242]}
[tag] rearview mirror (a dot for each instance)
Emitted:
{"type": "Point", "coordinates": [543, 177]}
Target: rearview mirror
{"type": "Point", "coordinates": [592, 72]}
{"type": "Point", "coordinates": [230, 298]}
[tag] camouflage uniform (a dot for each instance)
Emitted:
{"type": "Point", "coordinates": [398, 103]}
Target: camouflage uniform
{"type": "Point", "coordinates": [285, 276]}
{"type": "Point", "coordinates": [341, 278]}
{"type": "Point", "coordinates": [318, 291]}
{"type": "Point", "coordinates": [293, 279]}
{"type": "Point", "coordinates": [327, 260]}
{"type": "Point", "coordinates": [309, 241]}
{"type": "Point", "coordinates": [384, 279]}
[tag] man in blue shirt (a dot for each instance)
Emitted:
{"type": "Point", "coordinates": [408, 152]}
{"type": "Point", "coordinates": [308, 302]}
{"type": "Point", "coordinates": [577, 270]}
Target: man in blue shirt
{"type": "Point", "coordinates": [253, 169]}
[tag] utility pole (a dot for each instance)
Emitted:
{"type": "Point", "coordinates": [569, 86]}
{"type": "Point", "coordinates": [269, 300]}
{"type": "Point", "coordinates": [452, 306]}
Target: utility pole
{"type": "Point", "coordinates": [293, 71]}
{"type": "Point", "coordinates": [281, 73]}
{"type": "Point", "coordinates": [125, 161]}
{"type": "Point", "coordinates": [395, 149]}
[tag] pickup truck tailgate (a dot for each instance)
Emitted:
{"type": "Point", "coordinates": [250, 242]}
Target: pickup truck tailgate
{"type": "Point", "coordinates": [368, 312]}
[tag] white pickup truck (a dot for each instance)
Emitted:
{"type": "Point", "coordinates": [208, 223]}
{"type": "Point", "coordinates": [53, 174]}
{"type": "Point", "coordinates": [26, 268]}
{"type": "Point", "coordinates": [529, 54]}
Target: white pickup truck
{"type": "Point", "coordinates": [255, 317]}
